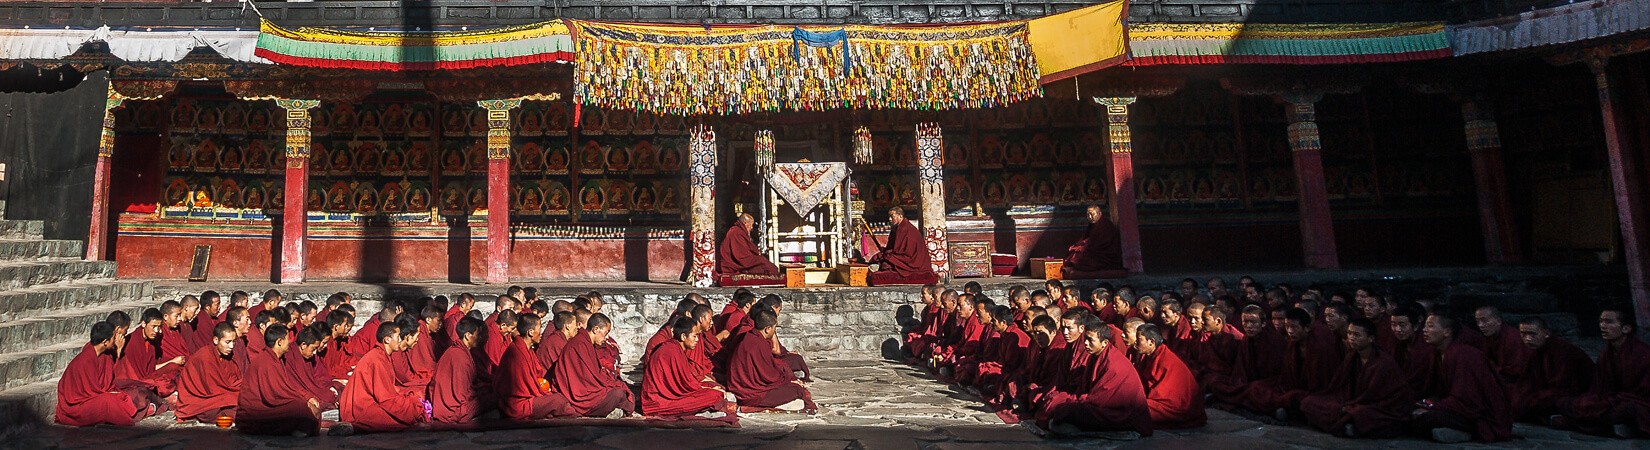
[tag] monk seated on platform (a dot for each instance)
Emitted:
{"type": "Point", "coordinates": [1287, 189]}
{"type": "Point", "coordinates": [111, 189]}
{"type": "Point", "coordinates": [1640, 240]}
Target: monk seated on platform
{"type": "Point", "coordinates": [758, 379]}
{"type": "Point", "coordinates": [740, 263]}
{"type": "Point", "coordinates": [676, 386]}
{"type": "Point", "coordinates": [87, 396]}
{"type": "Point", "coordinates": [1098, 254]}
{"type": "Point", "coordinates": [904, 259]}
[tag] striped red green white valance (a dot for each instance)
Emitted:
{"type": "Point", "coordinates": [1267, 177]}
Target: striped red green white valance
{"type": "Point", "coordinates": [411, 50]}
{"type": "Point", "coordinates": [1237, 43]}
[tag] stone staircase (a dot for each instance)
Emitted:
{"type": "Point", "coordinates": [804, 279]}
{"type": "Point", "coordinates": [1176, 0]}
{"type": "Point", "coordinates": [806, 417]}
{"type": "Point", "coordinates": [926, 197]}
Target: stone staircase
{"type": "Point", "coordinates": [49, 299]}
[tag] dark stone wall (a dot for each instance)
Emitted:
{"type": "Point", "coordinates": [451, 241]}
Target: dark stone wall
{"type": "Point", "coordinates": [48, 142]}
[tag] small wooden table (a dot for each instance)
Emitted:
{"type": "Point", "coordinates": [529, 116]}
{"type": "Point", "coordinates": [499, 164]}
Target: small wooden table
{"type": "Point", "coordinates": [854, 274]}
{"type": "Point", "coordinates": [1047, 268]}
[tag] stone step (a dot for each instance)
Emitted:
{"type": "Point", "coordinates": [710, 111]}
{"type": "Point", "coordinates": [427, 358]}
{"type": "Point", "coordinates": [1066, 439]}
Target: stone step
{"type": "Point", "coordinates": [36, 365]}
{"type": "Point", "coordinates": [27, 407]}
{"type": "Point", "coordinates": [23, 249]}
{"type": "Point", "coordinates": [22, 229]}
{"type": "Point", "coordinates": [20, 274]}
{"type": "Point", "coordinates": [70, 325]}
{"type": "Point", "coordinates": [47, 299]}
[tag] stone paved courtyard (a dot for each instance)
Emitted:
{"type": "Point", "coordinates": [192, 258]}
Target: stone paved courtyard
{"type": "Point", "coordinates": [866, 405]}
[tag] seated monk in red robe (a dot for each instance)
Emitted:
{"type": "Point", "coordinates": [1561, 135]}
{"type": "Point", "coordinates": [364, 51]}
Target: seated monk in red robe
{"type": "Point", "coordinates": [336, 355]}
{"type": "Point", "coordinates": [563, 326]}
{"type": "Point", "coordinates": [1369, 396]}
{"type": "Point", "coordinates": [1556, 369]}
{"type": "Point", "coordinates": [1013, 349]}
{"type": "Point", "coordinates": [198, 320]}
{"type": "Point", "coordinates": [1098, 252]}
{"type": "Point", "coordinates": [457, 395]}
{"type": "Point", "coordinates": [304, 362]}
{"type": "Point", "coordinates": [904, 259]}
{"type": "Point", "coordinates": [790, 359]}
{"type": "Point", "coordinates": [460, 309]}
{"type": "Point", "coordinates": [172, 341]}
{"type": "Point", "coordinates": [501, 329]}
{"type": "Point", "coordinates": [918, 336]}
{"type": "Point", "coordinates": [86, 394]}
{"type": "Point", "coordinates": [412, 367]}
{"type": "Point", "coordinates": [1309, 364]}
{"type": "Point", "coordinates": [523, 393]}
{"type": "Point", "coordinates": [1055, 359]}
{"type": "Point", "coordinates": [1115, 399]}
{"type": "Point", "coordinates": [1411, 351]}
{"type": "Point", "coordinates": [141, 362]}
{"type": "Point", "coordinates": [1221, 349]}
{"type": "Point", "coordinates": [1043, 332]}
{"type": "Point", "coordinates": [674, 385]}
{"type": "Point", "coordinates": [1172, 394]}
{"type": "Point", "coordinates": [372, 401]}
{"type": "Point", "coordinates": [271, 401]}
{"type": "Point", "coordinates": [684, 308]}
{"type": "Point", "coordinates": [757, 379]}
{"type": "Point", "coordinates": [1470, 402]}
{"type": "Point", "coordinates": [210, 384]}
{"type": "Point", "coordinates": [591, 390]}
{"type": "Point", "coordinates": [1502, 345]}
{"type": "Point", "coordinates": [738, 254]}
{"type": "Point", "coordinates": [1619, 399]}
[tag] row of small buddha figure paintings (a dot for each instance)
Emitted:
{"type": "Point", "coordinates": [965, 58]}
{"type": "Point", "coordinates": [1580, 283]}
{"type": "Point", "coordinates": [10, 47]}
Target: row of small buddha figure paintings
{"type": "Point", "coordinates": [228, 154]}
{"type": "Point", "coordinates": [1068, 188]}
{"type": "Point", "coordinates": [1159, 185]}
{"type": "Point", "coordinates": [392, 119]}
{"type": "Point", "coordinates": [996, 151]}
{"type": "Point", "coordinates": [527, 197]}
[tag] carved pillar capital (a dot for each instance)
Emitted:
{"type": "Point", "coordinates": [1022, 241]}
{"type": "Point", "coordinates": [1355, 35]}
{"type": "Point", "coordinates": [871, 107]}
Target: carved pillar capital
{"type": "Point", "coordinates": [498, 126]}
{"type": "Point", "coordinates": [297, 127]}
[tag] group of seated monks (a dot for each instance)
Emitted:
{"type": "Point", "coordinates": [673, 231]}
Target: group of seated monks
{"type": "Point", "coordinates": [902, 259]}
{"type": "Point", "coordinates": [281, 368]}
{"type": "Point", "coordinates": [1119, 362]}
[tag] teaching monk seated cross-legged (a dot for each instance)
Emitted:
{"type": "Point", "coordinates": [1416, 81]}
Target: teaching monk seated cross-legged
{"type": "Point", "coordinates": [739, 260]}
{"type": "Point", "coordinates": [674, 385]}
{"type": "Point", "coordinates": [523, 393]}
{"type": "Point", "coordinates": [86, 395]}
{"type": "Point", "coordinates": [904, 258]}
{"type": "Point", "coordinates": [591, 389]}
{"type": "Point", "coordinates": [1098, 254]}
{"type": "Point", "coordinates": [271, 401]}
{"type": "Point", "coordinates": [758, 379]}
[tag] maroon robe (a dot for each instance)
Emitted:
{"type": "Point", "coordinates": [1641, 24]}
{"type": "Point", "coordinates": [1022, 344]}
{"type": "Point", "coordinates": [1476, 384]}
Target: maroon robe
{"type": "Point", "coordinates": [1558, 369]}
{"type": "Point", "coordinates": [313, 376]}
{"type": "Point", "coordinates": [520, 396]}
{"type": "Point", "coordinates": [758, 379]}
{"type": "Point", "coordinates": [918, 339]}
{"type": "Point", "coordinates": [86, 394]}
{"type": "Point", "coordinates": [366, 339]}
{"type": "Point", "coordinates": [173, 344]}
{"type": "Point", "coordinates": [198, 333]}
{"type": "Point", "coordinates": [1468, 387]}
{"type": "Point", "coordinates": [137, 363]}
{"type": "Point", "coordinates": [580, 377]}
{"type": "Point", "coordinates": [493, 346]}
{"type": "Point", "coordinates": [338, 359]}
{"type": "Point", "coordinates": [709, 347]}
{"type": "Point", "coordinates": [738, 255]}
{"type": "Point", "coordinates": [549, 349]}
{"type": "Point", "coordinates": [1417, 358]}
{"type": "Point", "coordinates": [1218, 360]}
{"type": "Point", "coordinates": [412, 367]}
{"type": "Point", "coordinates": [449, 323]}
{"type": "Point", "coordinates": [1621, 382]}
{"type": "Point", "coordinates": [1308, 366]}
{"type": "Point", "coordinates": [272, 402]}
{"type": "Point", "coordinates": [372, 401]}
{"type": "Point", "coordinates": [209, 383]}
{"type": "Point", "coordinates": [1182, 339]}
{"type": "Point", "coordinates": [734, 321]}
{"type": "Point", "coordinates": [1114, 400]}
{"type": "Point", "coordinates": [904, 260]}
{"type": "Point", "coordinates": [1099, 249]}
{"type": "Point", "coordinates": [1373, 396]}
{"type": "Point", "coordinates": [1507, 353]}
{"type": "Point", "coordinates": [1172, 394]}
{"type": "Point", "coordinates": [456, 392]}
{"type": "Point", "coordinates": [1014, 348]}
{"type": "Point", "coordinates": [673, 385]}
{"type": "Point", "coordinates": [608, 355]}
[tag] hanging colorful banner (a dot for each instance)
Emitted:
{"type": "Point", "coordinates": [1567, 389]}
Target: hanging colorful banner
{"type": "Point", "coordinates": [693, 70]}
{"type": "Point", "coordinates": [1079, 41]}
{"type": "Point", "coordinates": [1238, 43]}
{"type": "Point", "coordinates": [412, 50]}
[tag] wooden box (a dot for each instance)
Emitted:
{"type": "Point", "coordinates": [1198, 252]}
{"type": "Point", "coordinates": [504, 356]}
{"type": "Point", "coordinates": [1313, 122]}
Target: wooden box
{"type": "Point", "coordinates": [853, 274]}
{"type": "Point", "coordinates": [796, 276]}
{"type": "Point", "coordinates": [970, 259]}
{"type": "Point", "coordinates": [1047, 268]}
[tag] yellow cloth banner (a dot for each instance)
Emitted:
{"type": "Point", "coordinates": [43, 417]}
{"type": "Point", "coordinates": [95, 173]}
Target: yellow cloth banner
{"type": "Point", "coordinates": [1079, 41]}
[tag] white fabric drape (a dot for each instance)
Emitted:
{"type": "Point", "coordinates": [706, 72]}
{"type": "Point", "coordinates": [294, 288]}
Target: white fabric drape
{"type": "Point", "coordinates": [1563, 24]}
{"type": "Point", "coordinates": [128, 45]}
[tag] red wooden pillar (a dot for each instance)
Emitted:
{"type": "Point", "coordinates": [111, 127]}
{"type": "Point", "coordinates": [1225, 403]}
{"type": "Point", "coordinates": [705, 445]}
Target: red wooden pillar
{"type": "Point", "coordinates": [98, 235]}
{"type": "Point", "coordinates": [498, 188]}
{"type": "Point", "coordinates": [1630, 207]}
{"type": "Point", "coordinates": [294, 216]}
{"type": "Point", "coordinates": [1122, 180]}
{"type": "Point", "coordinates": [1489, 172]}
{"type": "Point", "coordinates": [1317, 229]}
